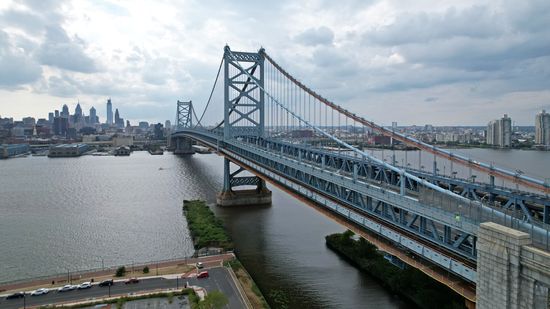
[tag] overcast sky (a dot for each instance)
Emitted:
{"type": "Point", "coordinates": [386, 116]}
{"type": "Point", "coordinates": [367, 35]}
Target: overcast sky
{"type": "Point", "coordinates": [414, 62]}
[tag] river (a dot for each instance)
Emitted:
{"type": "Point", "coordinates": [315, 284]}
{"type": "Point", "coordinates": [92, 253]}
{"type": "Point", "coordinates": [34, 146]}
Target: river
{"type": "Point", "coordinates": [68, 214]}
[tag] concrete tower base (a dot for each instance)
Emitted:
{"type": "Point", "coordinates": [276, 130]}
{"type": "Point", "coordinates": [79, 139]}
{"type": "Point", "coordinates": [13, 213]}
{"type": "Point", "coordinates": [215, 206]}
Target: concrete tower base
{"type": "Point", "coordinates": [244, 198]}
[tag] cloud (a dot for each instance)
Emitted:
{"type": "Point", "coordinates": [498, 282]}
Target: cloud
{"type": "Point", "coordinates": [17, 68]}
{"type": "Point", "coordinates": [316, 36]}
{"type": "Point", "coordinates": [58, 50]}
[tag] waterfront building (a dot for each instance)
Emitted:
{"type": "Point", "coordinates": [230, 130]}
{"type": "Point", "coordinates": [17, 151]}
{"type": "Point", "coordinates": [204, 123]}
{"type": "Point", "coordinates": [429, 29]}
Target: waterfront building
{"type": "Point", "coordinates": [542, 128]}
{"type": "Point", "coordinates": [109, 112]}
{"type": "Point", "coordinates": [10, 150]}
{"type": "Point", "coordinates": [68, 150]}
{"type": "Point", "coordinates": [499, 132]}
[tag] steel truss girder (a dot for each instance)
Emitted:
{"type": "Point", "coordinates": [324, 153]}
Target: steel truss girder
{"type": "Point", "coordinates": [351, 196]}
{"type": "Point", "coordinates": [369, 170]}
{"type": "Point", "coordinates": [238, 149]}
{"type": "Point", "coordinates": [232, 180]}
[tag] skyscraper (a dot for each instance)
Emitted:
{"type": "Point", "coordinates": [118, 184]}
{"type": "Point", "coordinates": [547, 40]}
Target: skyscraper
{"type": "Point", "coordinates": [542, 128]}
{"type": "Point", "coordinates": [65, 111]}
{"type": "Point", "coordinates": [50, 117]}
{"type": "Point", "coordinates": [499, 132]}
{"type": "Point", "coordinates": [77, 113]}
{"type": "Point", "coordinates": [119, 122]}
{"type": "Point", "coordinates": [109, 112]}
{"type": "Point", "coordinates": [93, 116]}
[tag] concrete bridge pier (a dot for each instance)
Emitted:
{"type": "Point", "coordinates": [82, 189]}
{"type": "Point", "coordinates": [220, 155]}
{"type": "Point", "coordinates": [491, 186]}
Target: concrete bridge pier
{"type": "Point", "coordinates": [512, 274]}
{"type": "Point", "coordinates": [183, 146]}
{"type": "Point", "coordinates": [244, 197]}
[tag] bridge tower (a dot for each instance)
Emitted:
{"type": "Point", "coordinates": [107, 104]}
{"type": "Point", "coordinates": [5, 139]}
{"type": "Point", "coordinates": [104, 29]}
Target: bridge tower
{"type": "Point", "coordinates": [183, 145]}
{"type": "Point", "coordinates": [243, 118]}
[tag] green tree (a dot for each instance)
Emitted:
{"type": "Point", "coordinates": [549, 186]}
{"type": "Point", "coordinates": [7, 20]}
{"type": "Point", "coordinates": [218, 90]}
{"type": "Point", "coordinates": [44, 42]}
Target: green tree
{"type": "Point", "coordinates": [121, 271]}
{"type": "Point", "coordinates": [146, 269]}
{"type": "Point", "coordinates": [214, 300]}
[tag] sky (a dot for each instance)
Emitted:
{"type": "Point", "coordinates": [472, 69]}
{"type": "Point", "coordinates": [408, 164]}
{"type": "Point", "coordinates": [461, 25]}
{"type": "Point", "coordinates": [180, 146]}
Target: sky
{"type": "Point", "coordinates": [418, 62]}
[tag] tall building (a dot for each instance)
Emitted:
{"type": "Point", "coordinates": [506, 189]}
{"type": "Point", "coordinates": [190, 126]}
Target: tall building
{"type": "Point", "coordinates": [77, 113]}
{"type": "Point", "coordinates": [50, 117]}
{"type": "Point", "coordinates": [119, 122]}
{"type": "Point", "coordinates": [93, 116]}
{"type": "Point", "coordinates": [109, 112]}
{"type": "Point", "coordinates": [65, 111]}
{"type": "Point", "coordinates": [542, 128]}
{"type": "Point", "coordinates": [56, 113]}
{"type": "Point", "coordinates": [499, 132]}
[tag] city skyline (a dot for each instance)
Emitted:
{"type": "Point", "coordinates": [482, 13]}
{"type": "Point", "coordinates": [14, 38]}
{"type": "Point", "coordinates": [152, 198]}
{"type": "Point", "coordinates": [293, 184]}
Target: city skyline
{"type": "Point", "coordinates": [444, 64]}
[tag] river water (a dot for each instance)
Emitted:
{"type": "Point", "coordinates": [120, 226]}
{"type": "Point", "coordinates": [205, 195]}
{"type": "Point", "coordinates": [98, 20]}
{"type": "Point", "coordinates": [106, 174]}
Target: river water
{"type": "Point", "coordinates": [67, 214]}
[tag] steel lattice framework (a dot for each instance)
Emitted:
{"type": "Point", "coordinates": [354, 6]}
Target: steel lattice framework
{"type": "Point", "coordinates": [434, 216]}
{"type": "Point", "coordinates": [184, 118]}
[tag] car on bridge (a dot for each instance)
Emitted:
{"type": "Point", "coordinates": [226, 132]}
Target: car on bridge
{"type": "Point", "coordinates": [131, 281]}
{"type": "Point", "coordinates": [66, 288]}
{"type": "Point", "coordinates": [16, 295]}
{"type": "Point", "coordinates": [107, 282]}
{"type": "Point", "coordinates": [84, 285]}
{"type": "Point", "coordinates": [40, 291]}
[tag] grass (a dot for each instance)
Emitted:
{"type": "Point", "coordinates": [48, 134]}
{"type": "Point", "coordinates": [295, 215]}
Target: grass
{"type": "Point", "coordinates": [251, 290]}
{"type": "Point", "coordinates": [122, 300]}
{"type": "Point", "coordinates": [205, 229]}
{"type": "Point", "coordinates": [410, 282]}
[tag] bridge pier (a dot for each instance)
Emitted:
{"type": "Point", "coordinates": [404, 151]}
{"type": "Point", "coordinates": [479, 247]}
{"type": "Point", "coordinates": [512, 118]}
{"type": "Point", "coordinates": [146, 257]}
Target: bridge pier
{"type": "Point", "coordinates": [183, 146]}
{"type": "Point", "coordinates": [511, 273]}
{"type": "Point", "coordinates": [229, 197]}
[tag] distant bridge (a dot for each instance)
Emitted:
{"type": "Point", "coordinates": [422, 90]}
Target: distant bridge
{"type": "Point", "coordinates": [281, 131]}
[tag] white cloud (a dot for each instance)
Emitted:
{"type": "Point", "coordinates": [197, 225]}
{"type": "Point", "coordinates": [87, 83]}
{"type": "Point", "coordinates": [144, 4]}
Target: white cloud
{"type": "Point", "coordinates": [421, 56]}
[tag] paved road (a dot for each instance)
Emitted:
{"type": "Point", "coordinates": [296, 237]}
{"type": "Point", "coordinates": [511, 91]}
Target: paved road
{"type": "Point", "coordinates": [219, 280]}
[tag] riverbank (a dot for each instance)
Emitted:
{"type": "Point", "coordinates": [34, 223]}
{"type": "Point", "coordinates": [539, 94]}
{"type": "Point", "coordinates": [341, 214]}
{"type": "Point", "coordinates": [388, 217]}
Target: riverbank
{"type": "Point", "coordinates": [207, 231]}
{"type": "Point", "coordinates": [408, 282]}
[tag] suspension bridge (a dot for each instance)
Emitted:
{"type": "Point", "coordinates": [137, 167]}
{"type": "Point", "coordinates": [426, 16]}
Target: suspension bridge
{"type": "Point", "coordinates": [450, 225]}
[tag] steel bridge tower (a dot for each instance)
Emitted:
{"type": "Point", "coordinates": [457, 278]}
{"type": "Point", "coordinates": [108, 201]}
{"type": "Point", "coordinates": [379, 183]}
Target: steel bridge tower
{"type": "Point", "coordinates": [184, 119]}
{"type": "Point", "coordinates": [243, 117]}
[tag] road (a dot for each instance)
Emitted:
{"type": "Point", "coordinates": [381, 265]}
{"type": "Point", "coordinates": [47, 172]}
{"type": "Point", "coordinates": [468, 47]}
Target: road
{"type": "Point", "coordinates": [219, 280]}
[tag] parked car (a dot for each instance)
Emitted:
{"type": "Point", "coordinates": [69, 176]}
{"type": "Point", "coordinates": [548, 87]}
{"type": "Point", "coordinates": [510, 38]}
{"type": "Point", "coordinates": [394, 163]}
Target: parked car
{"type": "Point", "coordinates": [16, 295]}
{"type": "Point", "coordinates": [40, 292]}
{"type": "Point", "coordinates": [131, 280]}
{"type": "Point", "coordinates": [203, 274]}
{"type": "Point", "coordinates": [85, 285]}
{"type": "Point", "coordinates": [200, 265]}
{"type": "Point", "coordinates": [66, 288]}
{"type": "Point", "coordinates": [108, 282]}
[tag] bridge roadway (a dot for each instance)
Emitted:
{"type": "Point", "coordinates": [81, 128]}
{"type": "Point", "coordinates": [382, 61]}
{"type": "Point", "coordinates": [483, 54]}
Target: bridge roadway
{"type": "Point", "coordinates": [461, 266]}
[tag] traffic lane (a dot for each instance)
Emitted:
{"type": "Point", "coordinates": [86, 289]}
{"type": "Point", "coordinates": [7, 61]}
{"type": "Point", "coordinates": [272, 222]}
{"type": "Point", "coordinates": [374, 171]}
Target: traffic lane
{"type": "Point", "coordinates": [219, 280]}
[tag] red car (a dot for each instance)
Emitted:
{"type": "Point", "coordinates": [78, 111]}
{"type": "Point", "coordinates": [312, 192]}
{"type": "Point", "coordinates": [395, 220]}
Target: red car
{"type": "Point", "coordinates": [131, 280]}
{"type": "Point", "coordinates": [203, 274]}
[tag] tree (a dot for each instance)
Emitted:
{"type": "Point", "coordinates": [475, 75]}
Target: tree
{"type": "Point", "coordinates": [121, 271]}
{"type": "Point", "coordinates": [214, 300]}
{"type": "Point", "coordinates": [146, 269]}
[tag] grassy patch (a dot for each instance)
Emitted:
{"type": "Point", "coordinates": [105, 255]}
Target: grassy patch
{"type": "Point", "coordinates": [251, 290]}
{"type": "Point", "coordinates": [206, 230]}
{"type": "Point", "coordinates": [119, 302]}
{"type": "Point", "coordinates": [410, 282]}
